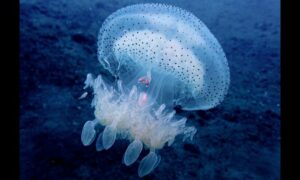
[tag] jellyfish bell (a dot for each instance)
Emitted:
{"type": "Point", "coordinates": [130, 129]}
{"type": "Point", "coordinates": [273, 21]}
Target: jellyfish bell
{"type": "Point", "coordinates": [162, 56]}
{"type": "Point", "coordinates": [187, 63]}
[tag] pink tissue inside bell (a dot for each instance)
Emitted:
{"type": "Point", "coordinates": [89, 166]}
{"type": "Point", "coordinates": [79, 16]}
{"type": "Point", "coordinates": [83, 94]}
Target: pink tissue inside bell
{"type": "Point", "coordinates": [143, 99]}
{"type": "Point", "coordinates": [144, 80]}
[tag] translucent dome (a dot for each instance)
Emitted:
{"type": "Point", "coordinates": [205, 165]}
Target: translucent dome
{"type": "Point", "coordinates": [170, 46]}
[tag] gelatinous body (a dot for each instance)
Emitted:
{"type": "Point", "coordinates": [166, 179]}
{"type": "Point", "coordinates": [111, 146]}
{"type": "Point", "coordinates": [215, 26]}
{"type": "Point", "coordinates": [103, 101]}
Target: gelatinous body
{"type": "Point", "coordinates": [188, 66]}
{"type": "Point", "coordinates": [161, 56]}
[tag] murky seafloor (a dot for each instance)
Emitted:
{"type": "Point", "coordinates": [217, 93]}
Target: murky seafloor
{"type": "Point", "coordinates": [239, 139]}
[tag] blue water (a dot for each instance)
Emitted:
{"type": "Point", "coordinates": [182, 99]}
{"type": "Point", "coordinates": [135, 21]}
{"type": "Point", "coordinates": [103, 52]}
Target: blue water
{"type": "Point", "coordinates": [239, 139]}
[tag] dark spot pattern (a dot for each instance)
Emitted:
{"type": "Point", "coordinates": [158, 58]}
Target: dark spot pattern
{"type": "Point", "coordinates": [171, 41]}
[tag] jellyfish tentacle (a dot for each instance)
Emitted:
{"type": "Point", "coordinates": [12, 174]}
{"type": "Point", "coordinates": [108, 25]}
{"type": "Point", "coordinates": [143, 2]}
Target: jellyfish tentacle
{"type": "Point", "coordinates": [132, 152]}
{"type": "Point", "coordinates": [148, 163]}
{"type": "Point", "coordinates": [84, 95]}
{"type": "Point", "coordinates": [88, 133]}
{"type": "Point", "coordinates": [150, 127]}
{"type": "Point", "coordinates": [99, 142]}
{"type": "Point", "coordinates": [120, 87]}
{"type": "Point", "coordinates": [157, 162]}
{"type": "Point", "coordinates": [133, 93]}
{"type": "Point", "coordinates": [109, 136]}
{"type": "Point", "coordinates": [159, 111]}
{"type": "Point", "coordinates": [89, 81]}
{"type": "Point", "coordinates": [170, 142]}
{"type": "Point", "coordinates": [169, 116]}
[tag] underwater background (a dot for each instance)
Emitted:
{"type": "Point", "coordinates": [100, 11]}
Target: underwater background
{"type": "Point", "coordinates": [239, 139]}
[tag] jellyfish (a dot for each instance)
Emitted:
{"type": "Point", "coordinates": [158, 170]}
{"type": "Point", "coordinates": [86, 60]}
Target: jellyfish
{"type": "Point", "coordinates": [161, 56]}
